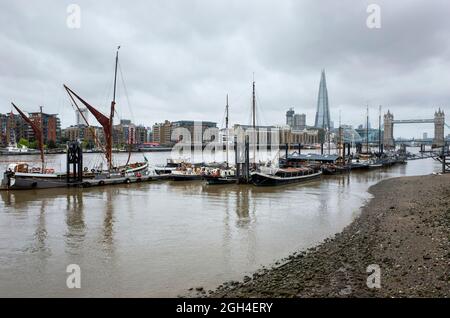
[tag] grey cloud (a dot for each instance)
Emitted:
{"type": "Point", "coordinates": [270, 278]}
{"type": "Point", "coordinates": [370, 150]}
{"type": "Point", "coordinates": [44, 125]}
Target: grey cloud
{"type": "Point", "coordinates": [180, 58]}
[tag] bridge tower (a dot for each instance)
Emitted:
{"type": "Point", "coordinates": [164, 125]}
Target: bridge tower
{"type": "Point", "coordinates": [439, 122]}
{"type": "Point", "coordinates": [388, 139]}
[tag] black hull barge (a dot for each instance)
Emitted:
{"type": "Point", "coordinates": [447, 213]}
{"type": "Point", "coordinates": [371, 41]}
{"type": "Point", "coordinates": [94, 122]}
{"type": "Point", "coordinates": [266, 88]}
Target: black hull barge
{"type": "Point", "coordinates": [212, 180]}
{"type": "Point", "coordinates": [278, 177]}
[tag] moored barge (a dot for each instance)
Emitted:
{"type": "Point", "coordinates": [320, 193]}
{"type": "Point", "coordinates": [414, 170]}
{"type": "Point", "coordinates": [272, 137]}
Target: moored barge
{"type": "Point", "coordinates": [274, 176]}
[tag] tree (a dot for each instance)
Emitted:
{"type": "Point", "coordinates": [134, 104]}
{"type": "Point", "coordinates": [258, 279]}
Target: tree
{"type": "Point", "coordinates": [51, 144]}
{"type": "Point", "coordinates": [33, 144]}
{"type": "Point", "coordinates": [24, 142]}
{"type": "Point", "coordinates": [84, 144]}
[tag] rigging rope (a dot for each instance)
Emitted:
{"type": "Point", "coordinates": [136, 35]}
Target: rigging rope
{"type": "Point", "coordinates": [262, 120]}
{"type": "Point", "coordinates": [126, 93]}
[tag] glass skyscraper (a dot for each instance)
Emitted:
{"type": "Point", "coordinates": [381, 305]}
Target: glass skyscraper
{"type": "Point", "coordinates": [322, 112]}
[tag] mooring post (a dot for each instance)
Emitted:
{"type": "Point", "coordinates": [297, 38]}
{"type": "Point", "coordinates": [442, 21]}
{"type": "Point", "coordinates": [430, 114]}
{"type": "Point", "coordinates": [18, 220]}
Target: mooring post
{"type": "Point", "coordinates": [237, 158]}
{"type": "Point", "coordinates": [74, 162]}
{"type": "Point", "coordinates": [67, 163]}
{"type": "Point", "coordinates": [343, 153]}
{"type": "Point", "coordinates": [444, 164]}
{"type": "Point", "coordinates": [443, 159]}
{"type": "Point", "coordinates": [358, 148]}
{"type": "Point", "coordinates": [80, 163]}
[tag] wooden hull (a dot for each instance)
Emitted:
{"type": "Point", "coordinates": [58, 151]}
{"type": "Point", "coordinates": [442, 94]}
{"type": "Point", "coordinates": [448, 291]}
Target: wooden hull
{"type": "Point", "coordinates": [335, 170]}
{"type": "Point", "coordinates": [143, 167]}
{"type": "Point", "coordinates": [220, 180]}
{"type": "Point", "coordinates": [33, 182]}
{"type": "Point", "coordinates": [261, 179]}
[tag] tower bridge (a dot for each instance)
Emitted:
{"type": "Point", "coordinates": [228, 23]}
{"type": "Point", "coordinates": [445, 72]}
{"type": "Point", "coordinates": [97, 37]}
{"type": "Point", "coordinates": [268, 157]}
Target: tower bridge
{"type": "Point", "coordinates": [438, 121]}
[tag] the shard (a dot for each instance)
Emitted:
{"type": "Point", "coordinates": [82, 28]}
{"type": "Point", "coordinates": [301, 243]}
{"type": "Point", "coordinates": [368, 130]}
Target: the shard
{"type": "Point", "coordinates": [322, 112]}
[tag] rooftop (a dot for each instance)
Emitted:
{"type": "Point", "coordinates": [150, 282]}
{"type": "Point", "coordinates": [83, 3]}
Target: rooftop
{"type": "Point", "coordinates": [312, 157]}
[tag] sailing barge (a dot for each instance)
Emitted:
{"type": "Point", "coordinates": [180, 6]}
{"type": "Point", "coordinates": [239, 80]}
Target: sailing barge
{"type": "Point", "coordinates": [225, 174]}
{"type": "Point", "coordinates": [21, 176]}
{"type": "Point", "coordinates": [107, 125]}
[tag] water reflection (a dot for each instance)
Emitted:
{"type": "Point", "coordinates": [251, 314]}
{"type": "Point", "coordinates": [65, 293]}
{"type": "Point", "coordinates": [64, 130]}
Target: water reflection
{"type": "Point", "coordinates": [40, 235]}
{"type": "Point", "coordinates": [76, 226]}
{"type": "Point", "coordinates": [243, 207]}
{"type": "Point", "coordinates": [108, 222]}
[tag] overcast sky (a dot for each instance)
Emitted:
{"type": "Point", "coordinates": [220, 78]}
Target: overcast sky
{"type": "Point", "coordinates": [179, 59]}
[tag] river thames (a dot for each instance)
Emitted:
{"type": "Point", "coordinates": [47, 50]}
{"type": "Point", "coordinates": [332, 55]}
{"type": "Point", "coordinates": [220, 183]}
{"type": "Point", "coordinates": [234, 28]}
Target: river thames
{"type": "Point", "coordinates": [160, 238]}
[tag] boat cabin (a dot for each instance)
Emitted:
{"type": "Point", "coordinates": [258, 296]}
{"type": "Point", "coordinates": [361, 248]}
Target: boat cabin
{"type": "Point", "coordinates": [294, 172]}
{"type": "Point", "coordinates": [21, 167]}
{"type": "Point", "coordinates": [298, 160]}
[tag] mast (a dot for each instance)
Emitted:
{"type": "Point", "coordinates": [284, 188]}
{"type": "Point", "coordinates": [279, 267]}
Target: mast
{"type": "Point", "coordinates": [329, 140]}
{"type": "Point", "coordinates": [254, 120]}
{"type": "Point", "coordinates": [254, 107]}
{"type": "Point", "coordinates": [41, 122]}
{"type": "Point", "coordinates": [115, 74]}
{"type": "Point", "coordinates": [111, 116]}
{"type": "Point", "coordinates": [367, 131]}
{"type": "Point", "coordinates": [226, 128]}
{"type": "Point", "coordinates": [226, 117]}
{"type": "Point", "coordinates": [340, 147]}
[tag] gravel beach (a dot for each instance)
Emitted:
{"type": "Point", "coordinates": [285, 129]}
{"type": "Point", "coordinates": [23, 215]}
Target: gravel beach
{"type": "Point", "coordinates": [404, 229]}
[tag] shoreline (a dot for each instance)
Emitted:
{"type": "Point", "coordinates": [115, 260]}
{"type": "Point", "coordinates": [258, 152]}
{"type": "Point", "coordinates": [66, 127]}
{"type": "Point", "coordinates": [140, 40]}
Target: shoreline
{"type": "Point", "coordinates": [404, 229]}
